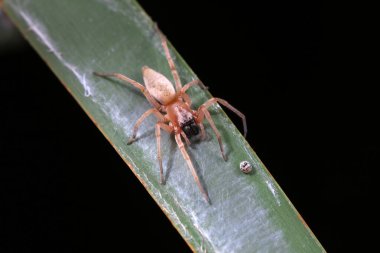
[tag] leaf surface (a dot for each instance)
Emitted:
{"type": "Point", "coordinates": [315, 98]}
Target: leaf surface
{"type": "Point", "coordinates": [249, 213]}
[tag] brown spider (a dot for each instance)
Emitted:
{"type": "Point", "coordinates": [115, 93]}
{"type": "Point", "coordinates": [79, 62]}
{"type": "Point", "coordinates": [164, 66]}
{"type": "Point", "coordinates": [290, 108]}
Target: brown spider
{"type": "Point", "coordinates": [172, 107]}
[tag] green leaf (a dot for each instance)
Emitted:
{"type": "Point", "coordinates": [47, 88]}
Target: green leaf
{"type": "Point", "coordinates": [249, 213]}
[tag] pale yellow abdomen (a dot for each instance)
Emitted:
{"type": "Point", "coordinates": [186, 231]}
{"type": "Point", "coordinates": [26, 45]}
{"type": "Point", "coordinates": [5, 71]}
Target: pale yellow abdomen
{"type": "Point", "coordinates": [158, 86]}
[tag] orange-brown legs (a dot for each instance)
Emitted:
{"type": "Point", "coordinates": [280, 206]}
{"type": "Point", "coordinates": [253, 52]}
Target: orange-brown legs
{"type": "Point", "coordinates": [212, 101]}
{"type": "Point", "coordinates": [173, 69]}
{"type": "Point", "coordinates": [204, 112]}
{"type": "Point", "coordinates": [190, 165]}
{"type": "Point", "coordinates": [187, 86]}
{"type": "Point", "coordinates": [187, 99]}
{"type": "Point", "coordinates": [203, 132]}
{"type": "Point", "coordinates": [185, 137]}
{"type": "Point", "coordinates": [193, 83]}
{"type": "Point", "coordinates": [138, 85]}
{"type": "Point", "coordinates": [160, 117]}
{"type": "Point", "coordinates": [168, 129]}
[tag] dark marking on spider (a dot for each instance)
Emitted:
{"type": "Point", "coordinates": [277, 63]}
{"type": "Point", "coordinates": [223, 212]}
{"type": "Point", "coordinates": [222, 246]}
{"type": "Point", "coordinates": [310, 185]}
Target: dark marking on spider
{"type": "Point", "coordinates": [190, 128]}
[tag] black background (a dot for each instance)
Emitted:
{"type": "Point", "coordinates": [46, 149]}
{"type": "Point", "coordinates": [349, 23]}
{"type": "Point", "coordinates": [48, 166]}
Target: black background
{"type": "Point", "coordinates": [311, 119]}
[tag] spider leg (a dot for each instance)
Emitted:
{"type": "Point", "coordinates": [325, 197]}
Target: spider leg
{"type": "Point", "coordinates": [160, 117]}
{"type": "Point", "coordinates": [204, 112]}
{"type": "Point", "coordinates": [168, 129]}
{"type": "Point", "coordinates": [190, 165]}
{"type": "Point", "coordinates": [186, 139]}
{"type": "Point", "coordinates": [212, 101]}
{"type": "Point", "coordinates": [203, 132]}
{"type": "Point", "coordinates": [173, 69]}
{"type": "Point", "coordinates": [193, 83]}
{"type": "Point", "coordinates": [187, 86]}
{"type": "Point", "coordinates": [186, 98]}
{"type": "Point", "coordinates": [136, 84]}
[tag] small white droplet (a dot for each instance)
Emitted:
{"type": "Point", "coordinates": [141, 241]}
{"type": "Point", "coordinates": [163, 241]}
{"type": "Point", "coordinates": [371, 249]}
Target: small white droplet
{"type": "Point", "coordinates": [245, 167]}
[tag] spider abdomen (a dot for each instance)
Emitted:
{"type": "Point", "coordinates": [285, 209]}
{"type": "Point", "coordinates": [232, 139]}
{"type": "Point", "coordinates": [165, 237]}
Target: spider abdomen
{"type": "Point", "coordinates": [158, 86]}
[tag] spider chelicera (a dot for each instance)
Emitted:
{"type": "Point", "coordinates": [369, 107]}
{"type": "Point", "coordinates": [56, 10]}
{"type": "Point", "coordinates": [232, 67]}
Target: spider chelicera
{"type": "Point", "coordinates": [172, 107]}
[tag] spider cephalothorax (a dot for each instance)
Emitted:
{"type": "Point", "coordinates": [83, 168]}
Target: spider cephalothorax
{"type": "Point", "coordinates": [172, 107]}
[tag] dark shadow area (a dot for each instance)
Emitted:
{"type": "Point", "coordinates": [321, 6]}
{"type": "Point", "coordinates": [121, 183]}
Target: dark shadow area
{"type": "Point", "coordinates": [143, 134]}
{"type": "Point", "coordinates": [170, 158]}
{"type": "Point", "coordinates": [200, 175]}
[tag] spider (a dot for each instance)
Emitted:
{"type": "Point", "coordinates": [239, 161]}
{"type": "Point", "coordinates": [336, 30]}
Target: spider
{"type": "Point", "coordinates": [172, 107]}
